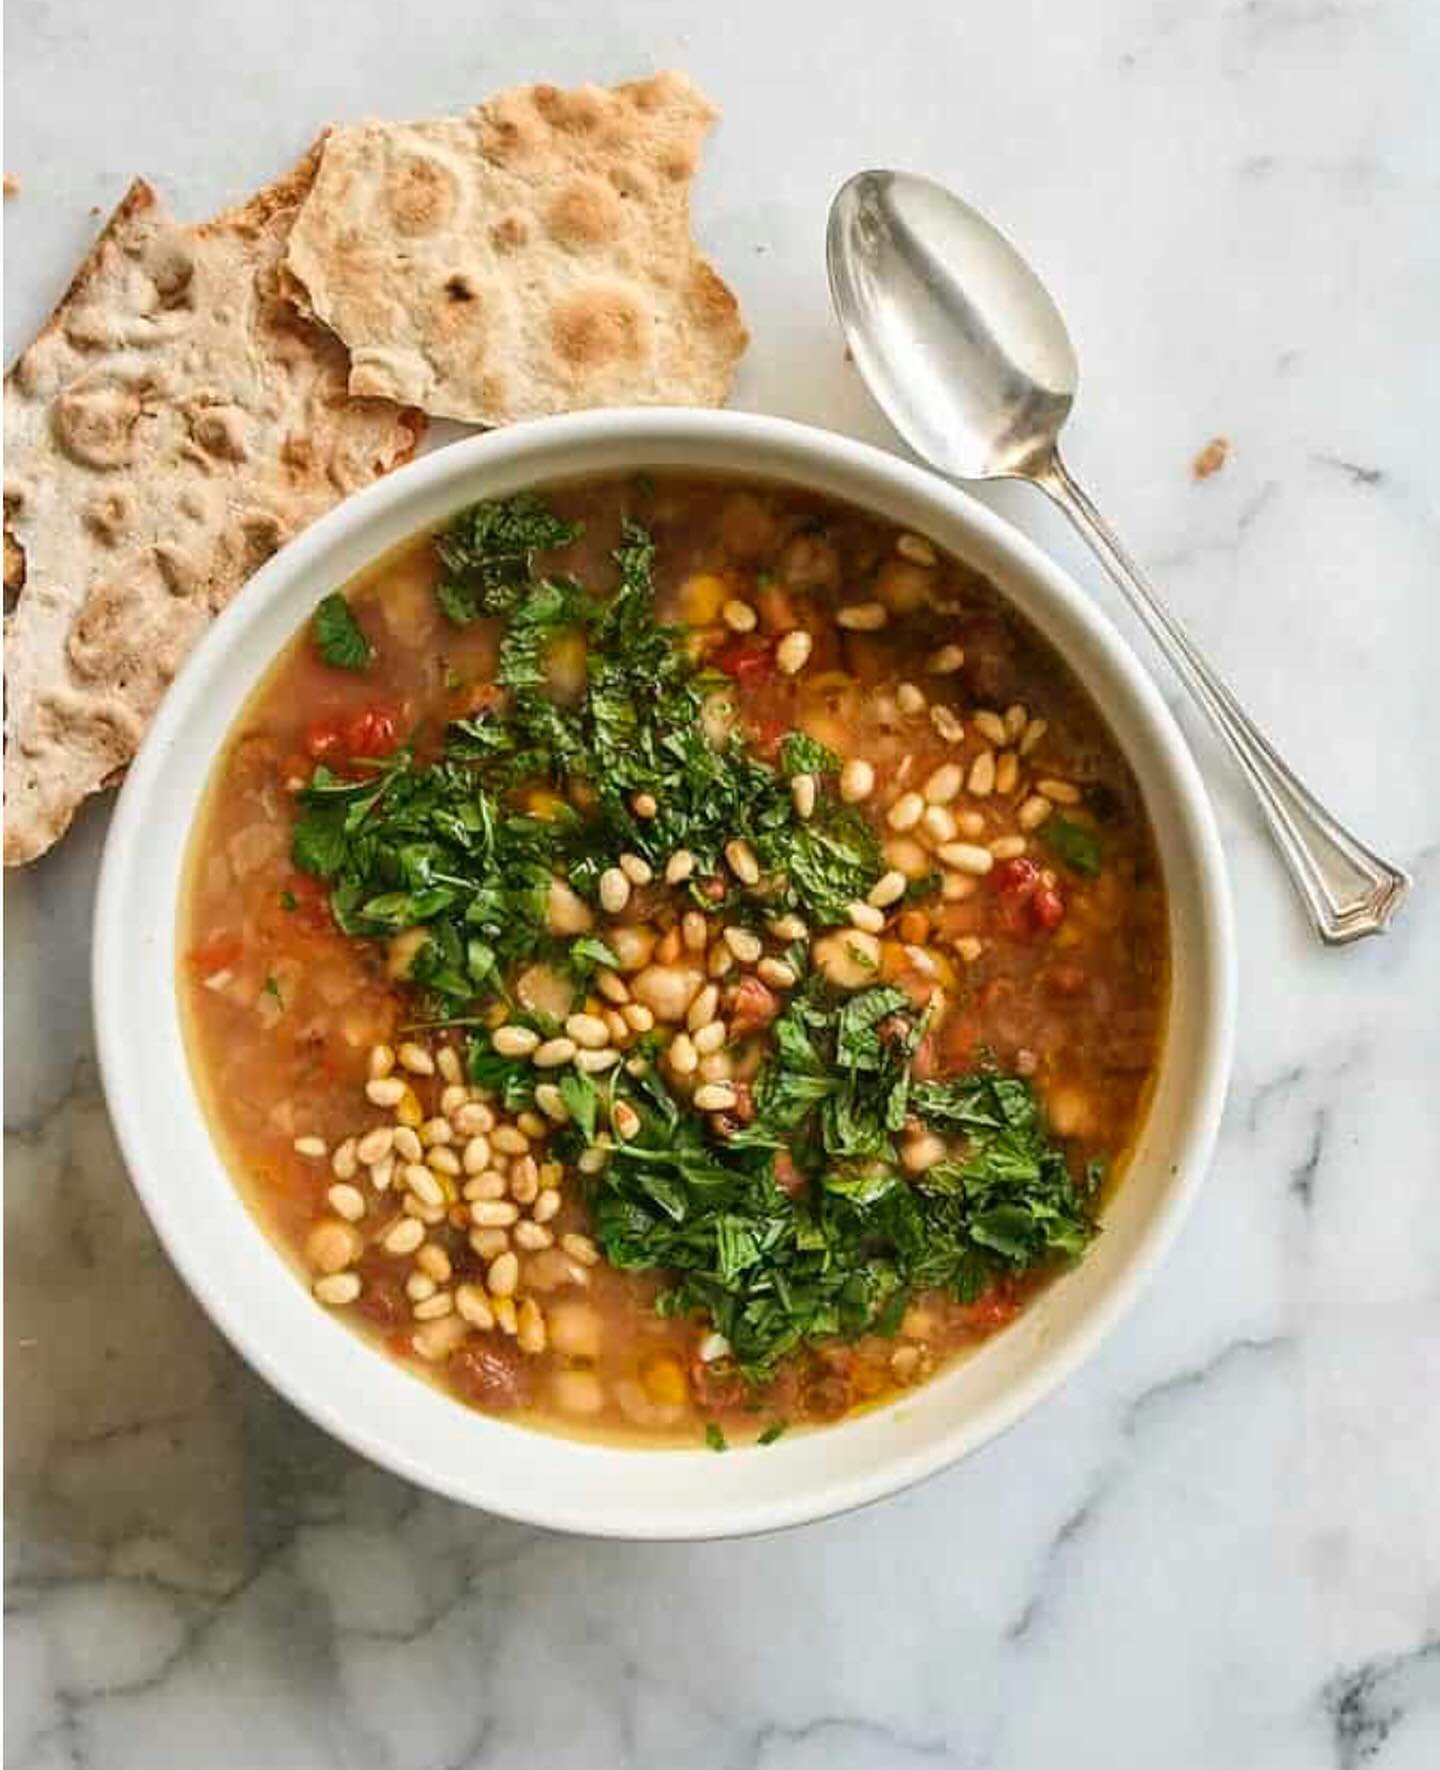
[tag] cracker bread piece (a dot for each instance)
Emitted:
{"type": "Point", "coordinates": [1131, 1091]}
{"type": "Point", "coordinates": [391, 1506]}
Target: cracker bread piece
{"type": "Point", "coordinates": [532, 256]}
{"type": "Point", "coordinates": [172, 424]}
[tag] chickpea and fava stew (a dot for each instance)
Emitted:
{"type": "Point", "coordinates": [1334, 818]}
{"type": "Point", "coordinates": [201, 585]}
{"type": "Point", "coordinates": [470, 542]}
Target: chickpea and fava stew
{"type": "Point", "coordinates": [673, 959]}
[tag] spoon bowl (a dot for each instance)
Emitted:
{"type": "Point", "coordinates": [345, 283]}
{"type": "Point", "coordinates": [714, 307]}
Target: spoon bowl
{"type": "Point", "coordinates": [957, 338]}
{"type": "Point", "coordinates": [967, 355]}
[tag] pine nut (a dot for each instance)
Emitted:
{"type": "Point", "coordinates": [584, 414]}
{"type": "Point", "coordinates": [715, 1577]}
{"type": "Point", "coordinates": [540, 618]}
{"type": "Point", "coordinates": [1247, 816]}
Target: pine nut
{"type": "Point", "coordinates": [434, 1262]}
{"type": "Point", "coordinates": [551, 1102]}
{"type": "Point", "coordinates": [503, 1276]}
{"type": "Point", "coordinates": [382, 1173]}
{"type": "Point", "coordinates": [530, 1333]}
{"type": "Point", "coordinates": [1007, 773]}
{"type": "Point", "coordinates": [947, 660]}
{"type": "Point", "coordinates": [406, 1144]}
{"type": "Point", "coordinates": [982, 775]}
{"type": "Point", "coordinates": [473, 1119]}
{"type": "Point", "coordinates": [443, 1159]}
{"type": "Point", "coordinates": [803, 792]}
{"type": "Point", "coordinates": [720, 962]}
{"type": "Point", "coordinates": [778, 973]}
{"type": "Point", "coordinates": [424, 1185]}
{"type": "Point", "coordinates": [969, 948]}
{"type": "Point", "coordinates": [636, 869]}
{"type": "Point", "coordinates": [612, 986]}
{"type": "Point", "coordinates": [1033, 812]}
{"type": "Point", "coordinates": [486, 1184]}
{"type": "Point", "coordinates": [419, 1286]}
{"type": "Point", "coordinates": [514, 1041]}
{"type": "Point", "coordinates": [314, 1149]}
{"type": "Point", "coordinates": [637, 1017]}
{"type": "Point", "coordinates": [704, 1008]}
{"type": "Point", "coordinates": [746, 946]}
{"type": "Point", "coordinates": [943, 784]}
{"type": "Point", "coordinates": [715, 1097]}
{"type": "Point", "coordinates": [915, 548]}
{"type": "Point", "coordinates": [625, 1120]}
{"type": "Point", "coordinates": [906, 812]}
{"type": "Point", "coordinates": [442, 1303]}
{"type": "Point", "coordinates": [710, 1037]}
{"type": "Point", "coordinates": [957, 887]}
{"type": "Point", "coordinates": [939, 823]}
{"type": "Point", "coordinates": [489, 1244]}
{"type": "Point", "coordinates": [694, 931]}
{"type": "Point", "coordinates": [553, 1053]}
{"type": "Point", "coordinates": [472, 1304]}
{"type": "Point", "coordinates": [921, 1152]}
{"type": "Point", "coordinates": [681, 1055]}
{"type": "Point", "coordinates": [1061, 792]}
{"type": "Point", "coordinates": [331, 1245]}
{"type": "Point", "coordinates": [447, 1060]}
{"type": "Point", "coordinates": [947, 724]}
{"type": "Point", "coordinates": [645, 806]}
{"type": "Point", "coordinates": [509, 1140]}
{"type": "Point", "coordinates": [436, 1131]}
{"type": "Point", "coordinates": [525, 1180]}
{"type": "Point", "coordinates": [743, 863]}
{"type": "Point", "coordinates": [863, 617]}
{"type": "Point", "coordinates": [338, 1288]}
{"type": "Point", "coordinates": [374, 1146]}
{"type": "Point", "coordinates": [408, 1111]}
{"type": "Point", "coordinates": [990, 726]}
{"type": "Point", "coordinates": [910, 699]}
{"type": "Point", "coordinates": [866, 916]}
{"type": "Point", "coordinates": [405, 1237]}
{"type": "Point", "coordinates": [588, 1030]}
{"type": "Point", "coordinates": [546, 1206]}
{"type": "Point", "coordinates": [968, 859]}
{"type": "Point", "coordinates": [1008, 847]}
{"type": "Point", "coordinates": [532, 1237]}
{"type": "Point", "coordinates": [921, 960]}
{"type": "Point", "coordinates": [346, 1201]}
{"type": "Point", "coordinates": [581, 1248]}
{"type": "Point", "coordinates": [738, 616]}
{"type": "Point", "coordinates": [971, 824]}
{"type": "Point", "coordinates": [616, 1025]}
{"type": "Point", "coordinates": [595, 1063]}
{"type": "Point", "coordinates": [614, 891]}
{"type": "Point", "coordinates": [793, 652]}
{"type": "Point", "coordinates": [416, 1059]}
{"type": "Point", "coordinates": [788, 928]}
{"type": "Point", "coordinates": [505, 1319]}
{"type": "Point", "coordinates": [493, 1213]}
{"type": "Point", "coordinates": [381, 1062]}
{"type": "Point", "coordinates": [888, 888]}
{"type": "Point", "coordinates": [679, 867]}
{"type": "Point", "coordinates": [1034, 731]}
{"type": "Point", "coordinates": [857, 781]}
{"type": "Point", "coordinates": [453, 1098]}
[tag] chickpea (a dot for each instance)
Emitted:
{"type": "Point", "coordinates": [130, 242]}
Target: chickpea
{"type": "Point", "coordinates": [667, 990]}
{"type": "Point", "coordinates": [575, 1330]}
{"type": "Point", "coordinates": [632, 945]}
{"type": "Point", "coordinates": [577, 1392]}
{"type": "Point", "coordinates": [332, 1245]}
{"type": "Point", "coordinates": [849, 958]}
{"type": "Point", "coordinates": [401, 949]}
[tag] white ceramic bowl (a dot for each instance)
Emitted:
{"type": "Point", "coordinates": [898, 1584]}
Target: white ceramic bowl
{"type": "Point", "coordinates": [403, 1422]}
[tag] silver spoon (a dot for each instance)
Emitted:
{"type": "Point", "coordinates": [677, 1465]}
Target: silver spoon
{"type": "Point", "coordinates": [967, 355]}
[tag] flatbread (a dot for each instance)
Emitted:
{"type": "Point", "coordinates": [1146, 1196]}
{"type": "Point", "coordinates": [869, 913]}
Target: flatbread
{"type": "Point", "coordinates": [532, 256]}
{"type": "Point", "coordinates": [174, 422]}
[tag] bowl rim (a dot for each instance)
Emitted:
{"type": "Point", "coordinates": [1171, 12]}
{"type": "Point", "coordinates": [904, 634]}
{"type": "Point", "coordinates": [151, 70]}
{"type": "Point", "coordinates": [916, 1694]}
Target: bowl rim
{"type": "Point", "coordinates": [461, 464]}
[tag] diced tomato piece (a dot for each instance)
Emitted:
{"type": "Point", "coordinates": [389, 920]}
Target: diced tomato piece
{"type": "Point", "coordinates": [992, 1309]}
{"type": "Point", "coordinates": [1047, 909]}
{"type": "Point", "coordinates": [324, 740]}
{"type": "Point", "coordinates": [218, 953]}
{"type": "Point", "coordinates": [749, 661]}
{"type": "Point", "coordinates": [371, 732]}
{"type": "Point", "coordinates": [1015, 878]}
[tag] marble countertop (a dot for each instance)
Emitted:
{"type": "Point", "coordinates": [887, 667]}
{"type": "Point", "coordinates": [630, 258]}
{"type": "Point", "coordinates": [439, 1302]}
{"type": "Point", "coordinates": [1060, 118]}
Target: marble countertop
{"type": "Point", "coordinates": [1219, 1545]}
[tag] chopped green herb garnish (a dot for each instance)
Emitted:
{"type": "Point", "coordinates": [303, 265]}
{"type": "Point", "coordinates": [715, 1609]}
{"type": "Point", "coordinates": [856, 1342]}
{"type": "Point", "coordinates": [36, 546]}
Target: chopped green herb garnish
{"type": "Point", "coordinates": [1075, 844]}
{"type": "Point", "coordinates": [272, 988]}
{"type": "Point", "coordinates": [773, 1431]}
{"type": "Point", "coordinates": [289, 901]}
{"type": "Point", "coordinates": [714, 1437]}
{"type": "Point", "coordinates": [338, 636]}
{"type": "Point", "coordinates": [489, 553]}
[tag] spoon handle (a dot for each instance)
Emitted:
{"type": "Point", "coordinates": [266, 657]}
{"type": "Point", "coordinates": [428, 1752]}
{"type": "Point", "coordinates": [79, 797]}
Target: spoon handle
{"type": "Point", "coordinates": [1347, 888]}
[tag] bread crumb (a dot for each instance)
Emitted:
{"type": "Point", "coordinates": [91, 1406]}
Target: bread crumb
{"type": "Point", "coordinates": [12, 185]}
{"type": "Point", "coordinates": [1211, 458]}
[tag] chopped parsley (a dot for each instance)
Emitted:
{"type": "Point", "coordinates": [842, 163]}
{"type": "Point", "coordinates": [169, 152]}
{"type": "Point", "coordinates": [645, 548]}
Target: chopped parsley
{"type": "Point", "coordinates": [714, 1437]}
{"type": "Point", "coordinates": [338, 636]}
{"type": "Point", "coordinates": [272, 988]}
{"type": "Point", "coordinates": [773, 1431]}
{"type": "Point", "coordinates": [1074, 843]}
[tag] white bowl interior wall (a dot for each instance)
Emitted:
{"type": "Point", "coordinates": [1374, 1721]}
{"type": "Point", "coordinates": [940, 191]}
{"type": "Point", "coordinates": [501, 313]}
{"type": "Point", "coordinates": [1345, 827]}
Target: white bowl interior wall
{"type": "Point", "coordinates": [377, 1406]}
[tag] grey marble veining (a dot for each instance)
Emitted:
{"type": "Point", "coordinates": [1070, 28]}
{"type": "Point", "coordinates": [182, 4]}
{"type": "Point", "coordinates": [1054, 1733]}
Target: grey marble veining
{"type": "Point", "coordinates": [1219, 1545]}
